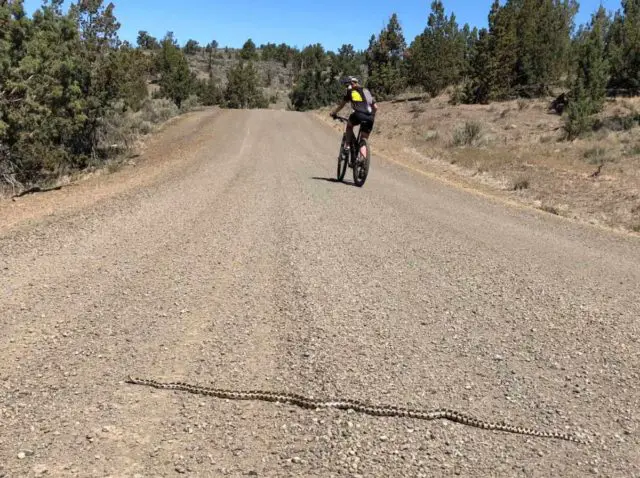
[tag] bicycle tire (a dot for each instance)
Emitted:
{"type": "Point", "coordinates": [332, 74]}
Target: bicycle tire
{"type": "Point", "coordinates": [361, 168]}
{"type": "Point", "coordinates": [343, 159]}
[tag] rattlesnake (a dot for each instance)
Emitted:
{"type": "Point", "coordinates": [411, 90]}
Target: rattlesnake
{"type": "Point", "coordinates": [357, 406]}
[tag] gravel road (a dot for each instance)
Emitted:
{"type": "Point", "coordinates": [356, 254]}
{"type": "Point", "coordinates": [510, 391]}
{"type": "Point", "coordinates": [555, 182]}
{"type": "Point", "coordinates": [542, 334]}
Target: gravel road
{"type": "Point", "coordinates": [228, 258]}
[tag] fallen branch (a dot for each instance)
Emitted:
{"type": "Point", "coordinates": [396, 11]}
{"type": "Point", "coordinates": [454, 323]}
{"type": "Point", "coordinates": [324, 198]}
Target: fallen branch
{"type": "Point", "coordinates": [36, 189]}
{"type": "Point", "coordinates": [411, 98]}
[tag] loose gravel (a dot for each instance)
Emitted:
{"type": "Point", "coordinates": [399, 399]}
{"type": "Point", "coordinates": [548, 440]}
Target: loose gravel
{"type": "Point", "coordinates": [229, 258]}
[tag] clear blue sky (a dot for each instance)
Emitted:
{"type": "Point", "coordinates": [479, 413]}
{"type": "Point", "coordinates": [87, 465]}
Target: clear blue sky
{"type": "Point", "coordinates": [297, 23]}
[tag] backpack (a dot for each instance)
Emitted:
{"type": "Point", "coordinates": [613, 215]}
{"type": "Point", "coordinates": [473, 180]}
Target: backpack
{"type": "Point", "coordinates": [367, 98]}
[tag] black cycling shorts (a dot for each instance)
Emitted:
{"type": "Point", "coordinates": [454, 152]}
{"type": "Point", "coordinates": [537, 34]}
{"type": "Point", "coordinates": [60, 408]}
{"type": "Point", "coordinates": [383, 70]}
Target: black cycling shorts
{"type": "Point", "coordinates": [365, 121]}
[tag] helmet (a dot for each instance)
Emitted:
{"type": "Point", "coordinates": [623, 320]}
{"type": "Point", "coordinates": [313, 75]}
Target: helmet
{"type": "Point", "coordinates": [350, 79]}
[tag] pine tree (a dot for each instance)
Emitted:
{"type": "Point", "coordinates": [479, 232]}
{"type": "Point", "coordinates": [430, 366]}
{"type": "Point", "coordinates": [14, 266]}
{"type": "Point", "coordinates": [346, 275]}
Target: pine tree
{"type": "Point", "coordinates": [385, 60]}
{"type": "Point", "coordinates": [242, 89]}
{"type": "Point", "coordinates": [437, 55]}
{"type": "Point", "coordinates": [62, 76]}
{"type": "Point", "coordinates": [285, 54]}
{"type": "Point", "coordinates": [593, 67]}
{"type": "Point", "coordinates": [248, 51]}
{"type": "Point", "coordinates": [7, 56]}
{"type": "Point", "coordinates": [589, 87]}
{"type": "Point", "coordinates": [615, 52]}
{"type": "Point", "coordinates": [50, 115]}
{"type": "Point", "coordinates": [209, 92]}
{"type": "Point", "coordinates": [177, 81]}
{"type": "Point", "coordinates": [346, 61]}
{"type": "Point", "coordinates": [314, 89]}
{"type": "Point", "coordinates": [191, 47]}
{"type": "Point", "coordinates": [543, 33]}
{"type": "Point", "coordinates": [98, 30]}
{"type": "Point", "coordinates": [470, 37]}
{"type": "Point", "coordinates": [503, 53]}
{"type": "Point", "coordinates": [312, 57]}
{"type": "Point", "coordinates": [623, 47]}
{"type": "Point", "coordinates": [480, 86]}
{"type": "Point", "coordinates": [131, 68]}
{"type": "Point", "coordinates": [146, 41]}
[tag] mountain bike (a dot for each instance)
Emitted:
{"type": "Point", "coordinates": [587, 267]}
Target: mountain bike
{"type": "Point", "coordinates": [353, 157]}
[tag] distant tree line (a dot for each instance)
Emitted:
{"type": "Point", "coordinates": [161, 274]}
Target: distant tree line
{"type": "Point", "coordinates": [64, 77]}
{"type": "Point", "coordinates": [529, 49]}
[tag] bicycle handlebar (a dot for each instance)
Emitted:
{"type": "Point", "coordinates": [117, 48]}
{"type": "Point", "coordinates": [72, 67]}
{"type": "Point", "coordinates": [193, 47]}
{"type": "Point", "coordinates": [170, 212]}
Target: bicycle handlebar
{"type": "Point", "coordinates": [341, 118]}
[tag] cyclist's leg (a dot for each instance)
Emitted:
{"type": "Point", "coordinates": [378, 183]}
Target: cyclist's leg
{"type": "Point", "coordinates": [353, 121]}
{"type": "Point", "coordinates": [348, 136]}
{"type": "Point", "coordinates": [366, 126]}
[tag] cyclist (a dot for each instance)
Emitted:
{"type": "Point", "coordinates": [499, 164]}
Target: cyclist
{"type": "Point", "coordinates": [364, 110]}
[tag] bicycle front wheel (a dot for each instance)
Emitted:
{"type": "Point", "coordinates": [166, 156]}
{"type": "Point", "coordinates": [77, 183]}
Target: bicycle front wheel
{"type": "Point", "coordinates": [343, 159]}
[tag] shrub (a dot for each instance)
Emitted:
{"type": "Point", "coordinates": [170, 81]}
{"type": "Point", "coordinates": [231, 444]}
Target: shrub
{"type": "Point", "coordinates": [595, 155]}
{"type": "Point", "coordinates": [468, 135]}
{"type": "Point", "coordinates": [579, 120]}
{"type": "Point", "coordinates": [431, 135]}
{"type": "Point", "coordinates": [159, 110]}
{"type": "Point", "coordinates": [457, 96]}
{"type": "Point", "coordinates": [520, 183]}
{"type": "Point", "coordinates": [550, 209]}
{"type": "Point", "coordinates": [190, 103]}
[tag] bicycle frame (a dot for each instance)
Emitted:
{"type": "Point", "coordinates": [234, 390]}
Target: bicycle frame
{"type": "Point", "coordinates": [355, 140]}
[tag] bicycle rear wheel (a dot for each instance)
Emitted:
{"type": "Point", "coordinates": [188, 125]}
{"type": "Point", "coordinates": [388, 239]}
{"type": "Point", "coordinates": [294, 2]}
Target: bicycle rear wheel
{"type": "Point", "coordinates": [361, 165]}
{"type": "Point", "coordinates": [343, 159]}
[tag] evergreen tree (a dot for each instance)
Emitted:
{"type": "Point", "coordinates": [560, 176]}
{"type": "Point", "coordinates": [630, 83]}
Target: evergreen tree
{"type": "Point", "coordinates": [191, 47]}
{"type": "Point", "coordinates": [480, 86]}
{"type": "Point", "coordinates": [437, 55]}
{"type": "Point", "coordinates": [209, 92]}
{"type": "Point", "coordinates": [242, 88]}
{"type": "Point", "coordinates": [49, 115]}
{"type": "Point", "coordinates": [500, 72]}
{"type": "Point", "coordinates": [589, 87]}
{"type": "Point", "coordinates": [593, 68]}
{"type": "Point", "coordinates": [249, 51]}
{"type": "Point", "coordinates": [98, 30]}
{"type": "Point", "coordinates": [385, 60]}
{"type": "Point", "coordinates": [131, 68]}
{"type": "Point", "coordinates": [543, 33]}
{"type": "Point", "coordinates": [470, 37]}
{"type": "Point", "coordinates": [285, 54]}
{"type": "Point", "coordinates": [312, 57]}
{"type": "Point", "coordinates": [615, 52]}
{"type": "Point", "coordinates": [347, 61]}
{"type": "Point", "coordinates": [177, 81]}
{"type": "Point", "coordinates": [314, 89]}
{"type": "Point", "coordinates": [146, 41]}
{"type": "Point", "coordinates": [623, 47]}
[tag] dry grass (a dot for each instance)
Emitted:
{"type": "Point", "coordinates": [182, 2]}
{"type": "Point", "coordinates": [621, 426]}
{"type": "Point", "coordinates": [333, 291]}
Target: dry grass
{"type": "Point", "coordinates": [597, 155]}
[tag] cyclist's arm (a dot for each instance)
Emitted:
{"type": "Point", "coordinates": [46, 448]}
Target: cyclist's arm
{"type": "Point", "coordinates": [337, 110]}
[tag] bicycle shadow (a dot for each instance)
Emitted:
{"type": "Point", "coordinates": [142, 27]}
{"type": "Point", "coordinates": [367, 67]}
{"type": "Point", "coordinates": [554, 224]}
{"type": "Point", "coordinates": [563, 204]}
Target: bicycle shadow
{"type": "Point", "coordinates": [334, 180]}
